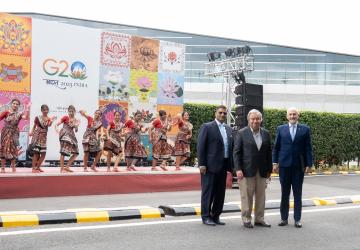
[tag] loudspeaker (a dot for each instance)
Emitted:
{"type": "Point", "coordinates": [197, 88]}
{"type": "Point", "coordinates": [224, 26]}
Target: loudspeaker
{"type": "Point", "coordinates": [241, 113]}
{"type": "Point", "coordinates": [250, 96]}
{"type": "Point", "coordinates": [249, 88]}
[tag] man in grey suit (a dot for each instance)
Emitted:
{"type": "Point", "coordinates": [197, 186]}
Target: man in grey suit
{"type": "Point", "coordinates": [253, 165]}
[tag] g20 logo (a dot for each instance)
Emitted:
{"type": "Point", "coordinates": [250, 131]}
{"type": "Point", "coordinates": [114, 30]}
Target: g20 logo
{"type": "Point", "coordinates": [60, 68]}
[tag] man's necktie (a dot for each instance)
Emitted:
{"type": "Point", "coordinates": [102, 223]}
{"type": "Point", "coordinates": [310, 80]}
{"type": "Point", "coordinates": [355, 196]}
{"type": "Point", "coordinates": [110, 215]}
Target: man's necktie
{"type": "Point", "coordinates": [292, 132]}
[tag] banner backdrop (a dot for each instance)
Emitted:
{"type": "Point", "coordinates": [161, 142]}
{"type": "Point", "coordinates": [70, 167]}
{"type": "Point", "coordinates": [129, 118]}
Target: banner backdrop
{"type": "Point", "coordinates": [65, 71]}
{"type": "Point", "coordinates": [46, 62]}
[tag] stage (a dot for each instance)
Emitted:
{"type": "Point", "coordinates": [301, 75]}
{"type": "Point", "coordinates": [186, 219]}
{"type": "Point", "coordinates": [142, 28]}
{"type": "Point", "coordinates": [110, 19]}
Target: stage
{"type": "Point", "coordinates": [50, 183]}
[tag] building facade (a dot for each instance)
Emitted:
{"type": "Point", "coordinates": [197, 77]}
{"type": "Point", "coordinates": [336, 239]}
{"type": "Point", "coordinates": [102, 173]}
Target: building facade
{"type": "Point", "coordinates": [307, 79]}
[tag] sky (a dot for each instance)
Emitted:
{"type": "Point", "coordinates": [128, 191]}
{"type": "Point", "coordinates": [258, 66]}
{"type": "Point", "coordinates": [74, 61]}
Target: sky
{"type": "Point", "coordinates": [311, 24]}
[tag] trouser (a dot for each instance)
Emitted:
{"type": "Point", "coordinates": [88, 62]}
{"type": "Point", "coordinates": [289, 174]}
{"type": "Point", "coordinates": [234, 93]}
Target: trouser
{"type": "Point", "coordinates": [250, 186]}
{"type": "Point", "coordinates": [213, 187]}
{"type": "Point", "coordinates": [291, 177]}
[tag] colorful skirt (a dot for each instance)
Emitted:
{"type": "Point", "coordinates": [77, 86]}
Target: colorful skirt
{"type": "Point", "coordinates": [133, 147]}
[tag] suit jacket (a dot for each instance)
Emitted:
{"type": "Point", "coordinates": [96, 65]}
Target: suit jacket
{"type": "Point", "coordinates": [297, 153]}
{"type": "Point", "coordinates": [210, 147]}
{"type": "Point", "coordinates": [248, 158]}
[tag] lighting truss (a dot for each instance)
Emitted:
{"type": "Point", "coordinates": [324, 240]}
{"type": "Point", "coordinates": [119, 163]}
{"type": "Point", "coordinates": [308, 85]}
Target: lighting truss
{"type": "Point", "coordinates": [229, 67]}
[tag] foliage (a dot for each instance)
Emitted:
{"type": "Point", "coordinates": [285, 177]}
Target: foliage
{"type": "Point", "coordinates": [335, 137]}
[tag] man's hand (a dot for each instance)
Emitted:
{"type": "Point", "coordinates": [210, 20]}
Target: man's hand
{"type": "Point", "coordinates": [275, 168]}
{"type": "Point", "coordinates": [202, 169]}
{"type": "Point", "coordinates": [239, 175]}
{"type": "Point", "coordinates": [307, 170]}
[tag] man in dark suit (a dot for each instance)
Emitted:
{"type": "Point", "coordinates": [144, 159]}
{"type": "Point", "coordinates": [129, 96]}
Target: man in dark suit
{"type": "Point", "coordinates": [214, 152]}
{"type": "Point", "coordinates": [253, 165]}
{"type": "Point", "coordinates": [292, 157]}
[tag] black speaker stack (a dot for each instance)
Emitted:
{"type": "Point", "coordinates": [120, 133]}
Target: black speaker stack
{"type": "Point", "coordinates": [248, 96]}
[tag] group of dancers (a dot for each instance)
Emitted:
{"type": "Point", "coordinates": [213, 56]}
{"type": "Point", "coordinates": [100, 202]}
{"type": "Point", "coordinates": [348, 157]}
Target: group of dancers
{"type": "Point", "coordinates": [114, 136]}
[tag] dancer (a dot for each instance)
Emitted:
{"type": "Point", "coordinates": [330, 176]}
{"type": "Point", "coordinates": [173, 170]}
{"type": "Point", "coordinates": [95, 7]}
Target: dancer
{"type": "Point", "coordinates": [134, 150]}
{"type": "Point", "coordinates": [91, 142]}
{"type": "Point", "coordinates": [68, 141]}
{"type": "Point", "coordinates": [183, 137]}
{"type": "Point", "coordinates": [9, 142]}
{"type": "Point", "coordinates": [112, 143]}
{"type": "Point", "coordinates": [37, 147]}
{"type": "Point", "coordinates": [162, 150]}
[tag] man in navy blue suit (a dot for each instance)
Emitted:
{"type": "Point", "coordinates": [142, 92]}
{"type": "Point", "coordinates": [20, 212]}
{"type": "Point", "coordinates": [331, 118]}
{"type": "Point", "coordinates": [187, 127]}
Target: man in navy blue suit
{"type": "Point", "coordinates": [292, 157]}
{"type": "Point", "coordinates": [214, 152]}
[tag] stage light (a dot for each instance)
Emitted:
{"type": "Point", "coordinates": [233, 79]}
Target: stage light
{"type": "Point", "coordinates": [229, 52]}
{"type": "Point", "coordinates": [238, 51]}
{"type": "Point", "coordinates": [246, 50]}
{"type": "Point", "coordinates": [213, 56]}
{"type": "Point", "coordinates": [240, 77]}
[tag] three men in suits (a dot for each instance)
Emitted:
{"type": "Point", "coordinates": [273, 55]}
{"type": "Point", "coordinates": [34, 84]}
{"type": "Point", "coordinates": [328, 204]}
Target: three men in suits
{"type": "Point", "coordinates": [292, 157]}
{"type": "Point", "coordinates": [253, 165]}
{"type": "Point", "coordinates": [214, 152]}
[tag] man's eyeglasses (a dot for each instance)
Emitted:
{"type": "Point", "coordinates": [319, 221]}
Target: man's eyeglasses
{"type": "Point", "coordinates": [223, 113]}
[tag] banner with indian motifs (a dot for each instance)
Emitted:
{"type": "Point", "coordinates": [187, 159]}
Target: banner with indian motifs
{"type": "Point", "coordinates": [133, 73]}
{"type": "Point", "coordinates": [15, 67]}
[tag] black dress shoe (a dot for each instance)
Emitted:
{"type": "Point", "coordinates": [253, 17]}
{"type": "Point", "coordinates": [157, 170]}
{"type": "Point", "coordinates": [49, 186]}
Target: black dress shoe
{"type": "Point", "coordinates": [209, 222]}
{"type": "Point", "coordinates": [218, 222]}
{"type": "Point", "coordinates": [298, 224]}
{"type": "Point", "coordinates": [262, 224]}
{"type": "Point", "coordinates": [248, 225]}
{"type": "Point", "coordinates": [283, 223]}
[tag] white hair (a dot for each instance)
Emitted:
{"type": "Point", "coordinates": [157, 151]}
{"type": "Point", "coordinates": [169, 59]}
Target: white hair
{"type": "Point", "coordinates": [254, 111]}
{"type": "Point", "coordinates": [293, 109]}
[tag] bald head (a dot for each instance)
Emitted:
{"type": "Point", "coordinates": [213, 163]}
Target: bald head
{"type": "Point", "coordinates": [292, 115]}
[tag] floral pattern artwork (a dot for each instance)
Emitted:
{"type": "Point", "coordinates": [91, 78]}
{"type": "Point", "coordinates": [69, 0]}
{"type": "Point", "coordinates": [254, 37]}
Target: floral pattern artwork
{"type": "Point", "coordinates": [115, 49]}
{"type": "Point", "coordinates": [5, 104]}
{"type": "Point", "coordinates": [15, 35]}
{"type": "Point", "coordinates": [144, 54]}
{"type": "Point", "coordinates": [170, 89]}
{"type": "Point", "coordinates": [148, 109]}
{"type": "Point", "coordinates": [114, 83]}
{"type": "Point", "coordinates": [15, 73]}
{"type": "Point", "coordinates": [173, 110]}
{"type": "Point", "coordinates": [172, 57]}
{"type": "Point", "coordinates": [108, 109]}
{"type": "Point", "coordinates": [143, 85]}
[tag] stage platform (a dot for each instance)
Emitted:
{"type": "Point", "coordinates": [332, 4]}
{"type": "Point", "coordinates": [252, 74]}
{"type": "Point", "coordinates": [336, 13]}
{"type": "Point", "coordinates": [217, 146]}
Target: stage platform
{"type": "Point", "coordinates": [50, 183]}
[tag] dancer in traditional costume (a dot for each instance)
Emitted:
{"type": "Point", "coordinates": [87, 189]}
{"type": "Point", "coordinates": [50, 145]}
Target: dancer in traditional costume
{"type": "Point", "coordinates": [113, 139]}
{"type": "Point", "coordinates": [68, 141]}
{"type": "Point", "coordinates": [183, 138]}
{"type": "Point", "coordinates": [161, 149]}
{"type": "Point", "coordinates": [9, 142]}
{"type": "Point", "coordinates": [37, 146]}
{"type": "Point", "coordinates": [134, 150]}
{"type": "Point", "coordinates": [91, 139]}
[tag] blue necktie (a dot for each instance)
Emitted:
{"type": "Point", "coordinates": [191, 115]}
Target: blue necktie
{"type": "Point", "coordinates": [292, 132]}
{"type": "Point", "coordinates": [224, 136]}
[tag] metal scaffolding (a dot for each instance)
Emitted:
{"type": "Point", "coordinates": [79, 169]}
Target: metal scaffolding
{"type": "Point", "coordinates": [228, 68]}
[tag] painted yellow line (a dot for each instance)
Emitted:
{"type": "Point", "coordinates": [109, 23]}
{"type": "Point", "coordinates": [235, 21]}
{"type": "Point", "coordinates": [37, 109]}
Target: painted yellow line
{"type": "Point", "coordinates": [197, 210]}
{"type": "Point", "coordinates": [327, 173]}
{"type": "Point", "coordinates": [344, 172]}
{"type": "Point", "coordinates": [92, 216]}
{"type": "Point", "coordinates": [327, 202]}
{"type": "Point", "coordinates": [317, 202]}
{"type": "Point", "coordinates": [355, 200]}
{"type": "Point", "coordinates": [291, 204]}
{"type": "Point", "coordinates": [148, 213]}
{"type": "Point", "coordinates": [274, 175]}
{"type": "Point", "coordinates": [20, 220]}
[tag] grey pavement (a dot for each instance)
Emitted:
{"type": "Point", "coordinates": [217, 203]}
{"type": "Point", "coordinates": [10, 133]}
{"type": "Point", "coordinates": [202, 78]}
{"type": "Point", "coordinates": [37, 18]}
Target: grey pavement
{"type": "Point", "coordinates": [323, 229]}
{"type": "Point", "coordinates": [314, 186]}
